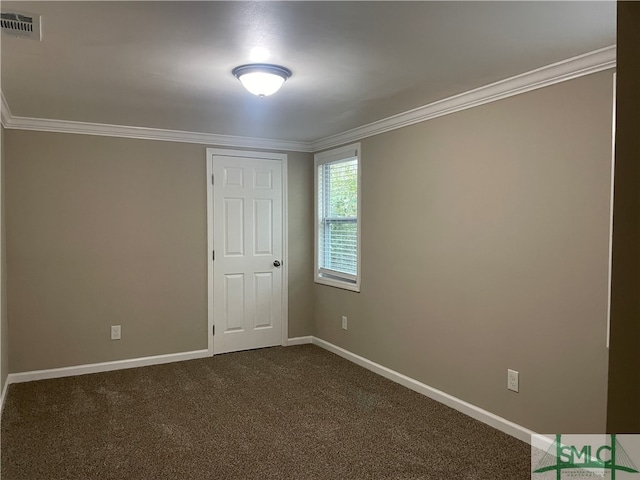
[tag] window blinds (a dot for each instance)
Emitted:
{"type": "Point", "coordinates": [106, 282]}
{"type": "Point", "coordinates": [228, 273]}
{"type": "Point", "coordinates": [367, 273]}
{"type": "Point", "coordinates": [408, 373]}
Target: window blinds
{"type": "Point", "coordinates": [338, 219]}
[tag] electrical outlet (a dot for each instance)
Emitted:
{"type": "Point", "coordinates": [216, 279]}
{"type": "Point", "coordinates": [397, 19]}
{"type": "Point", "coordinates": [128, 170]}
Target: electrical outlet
{"type": "Point", "coordinates": [344, 323]}
{"type": "Point", "coordinates": [513, 382]}
{"type": "Point", "coordinates": [115, 332]}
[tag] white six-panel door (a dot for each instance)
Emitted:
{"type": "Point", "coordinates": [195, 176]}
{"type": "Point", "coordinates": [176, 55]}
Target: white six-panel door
{"type": "Point", "coordinates": [247, 240]}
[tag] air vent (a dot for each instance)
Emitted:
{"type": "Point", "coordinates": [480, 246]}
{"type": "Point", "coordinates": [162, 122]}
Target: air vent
{"type": "Point", "coordinates": [20, 24]}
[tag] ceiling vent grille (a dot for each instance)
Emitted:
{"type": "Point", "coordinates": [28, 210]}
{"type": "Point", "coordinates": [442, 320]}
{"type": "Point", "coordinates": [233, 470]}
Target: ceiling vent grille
{"type": "Point", "coordinates": [18, 24]}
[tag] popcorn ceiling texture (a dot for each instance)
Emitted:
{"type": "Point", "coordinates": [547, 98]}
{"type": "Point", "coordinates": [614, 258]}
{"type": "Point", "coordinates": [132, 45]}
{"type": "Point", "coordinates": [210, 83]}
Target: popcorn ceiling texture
{"type": "Point", "coordinates": [279, 413]}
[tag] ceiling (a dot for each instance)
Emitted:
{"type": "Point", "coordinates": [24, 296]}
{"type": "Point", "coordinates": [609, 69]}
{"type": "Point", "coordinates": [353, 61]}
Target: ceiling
{"type": "Point", "coordinates": [168, 64]}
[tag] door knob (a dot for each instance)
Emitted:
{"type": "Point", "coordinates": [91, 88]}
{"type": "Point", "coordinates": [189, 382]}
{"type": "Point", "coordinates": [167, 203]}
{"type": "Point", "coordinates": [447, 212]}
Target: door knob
{"type": "Point", "coordinates": [276, 263]}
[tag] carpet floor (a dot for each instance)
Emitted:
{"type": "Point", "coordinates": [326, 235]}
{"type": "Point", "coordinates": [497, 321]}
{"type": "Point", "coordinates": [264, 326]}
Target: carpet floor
{"type": "Point", "coordinates": [277, 413]}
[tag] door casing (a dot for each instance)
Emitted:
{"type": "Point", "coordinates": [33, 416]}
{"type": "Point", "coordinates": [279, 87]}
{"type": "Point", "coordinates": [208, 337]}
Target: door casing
{"type": "Point", "coordinates": [282, 157]}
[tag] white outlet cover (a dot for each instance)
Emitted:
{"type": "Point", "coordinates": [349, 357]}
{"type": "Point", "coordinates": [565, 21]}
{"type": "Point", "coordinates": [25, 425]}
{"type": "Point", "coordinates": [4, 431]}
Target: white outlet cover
{"type": "Point", "coordinates": [513, 381]}
{"type": "Point", "coordinates": [115, 332]}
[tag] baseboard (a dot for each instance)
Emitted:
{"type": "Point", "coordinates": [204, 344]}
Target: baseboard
{"type": "Point", "coordinates": [299, 340]}
{"type": "Point", "coordinates": [478, 413]}
{"type": "Point", "coordinates": [4, 395]}
{"type": "Point", "coordinates": [103, 367]}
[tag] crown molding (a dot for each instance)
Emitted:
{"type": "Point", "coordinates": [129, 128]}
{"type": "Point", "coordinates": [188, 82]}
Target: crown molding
{"type": "Point", "coordinates": [569, 69]}
{"type": "Point", "coordinates": [574, 67]}
{"type": "Point", "coordinates": [5, 111]}
{"type": "Point", "coordinates": [145, 133]}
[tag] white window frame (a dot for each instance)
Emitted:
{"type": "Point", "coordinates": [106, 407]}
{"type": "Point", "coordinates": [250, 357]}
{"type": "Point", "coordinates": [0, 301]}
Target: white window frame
{"type": "Point", "coordinates": [322, 158]}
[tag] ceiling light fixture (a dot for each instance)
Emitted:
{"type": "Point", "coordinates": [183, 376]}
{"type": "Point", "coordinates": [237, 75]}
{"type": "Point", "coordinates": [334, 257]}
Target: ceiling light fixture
{"type": "Point", "coordinates": [261, 79]}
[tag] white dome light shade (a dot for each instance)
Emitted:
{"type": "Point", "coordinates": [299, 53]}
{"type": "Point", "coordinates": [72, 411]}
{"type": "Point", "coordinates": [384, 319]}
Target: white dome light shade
{"type": "Point", "coordinates": [261, 79]}
{"type": "Point", "coordinates": [261, 84]}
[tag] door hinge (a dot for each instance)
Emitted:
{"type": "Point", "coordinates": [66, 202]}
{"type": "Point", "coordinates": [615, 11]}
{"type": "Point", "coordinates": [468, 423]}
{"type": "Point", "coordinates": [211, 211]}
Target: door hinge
{"type": "Point", "coordinates": [213, 330]}
{"type": "Point", "coordinates": [212, 180]}
{"type": "Point", "coordinates": [213, 255]}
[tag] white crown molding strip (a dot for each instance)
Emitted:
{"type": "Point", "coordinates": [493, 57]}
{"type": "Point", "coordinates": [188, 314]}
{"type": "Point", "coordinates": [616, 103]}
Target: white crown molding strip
{"type": "Point", "coordinates": [569, 69]}
{"type": "Point", "coordinates": [5, 111]}
{"type": "Point", "coordinates": [104, 366]}
{"type": "Point", "coordinates": [299, 341]}
{"type": "Point", "coordinates": [144, 133]}
{"type": "Point", "coordinates": [472, 411]}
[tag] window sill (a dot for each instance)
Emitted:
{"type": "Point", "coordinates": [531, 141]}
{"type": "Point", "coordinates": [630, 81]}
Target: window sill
{"type": "Point", "coordinates": [354, 287]}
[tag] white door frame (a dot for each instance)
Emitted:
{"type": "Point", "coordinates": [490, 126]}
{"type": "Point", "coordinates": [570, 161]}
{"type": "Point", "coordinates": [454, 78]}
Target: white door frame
{"type": "Point", "coordinates": [282, 157]}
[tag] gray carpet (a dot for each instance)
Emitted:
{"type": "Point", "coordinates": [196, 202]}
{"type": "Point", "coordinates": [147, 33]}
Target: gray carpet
{"type": "Point", "coordinates": [279, 413]}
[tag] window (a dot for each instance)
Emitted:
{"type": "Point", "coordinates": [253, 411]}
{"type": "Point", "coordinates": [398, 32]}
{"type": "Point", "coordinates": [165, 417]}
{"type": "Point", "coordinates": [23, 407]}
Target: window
{"type": "Point", "coordinates": [337, 230]}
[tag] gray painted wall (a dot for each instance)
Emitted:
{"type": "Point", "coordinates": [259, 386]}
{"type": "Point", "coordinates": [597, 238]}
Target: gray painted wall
{"type": "Point", "coordinates": [485, 244]}
{"type": "Point", "coordinates": [104, 231]}
{"type": "Point", "coordinates": [485, 247]}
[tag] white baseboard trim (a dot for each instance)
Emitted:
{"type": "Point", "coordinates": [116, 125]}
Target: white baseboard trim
{"type": "Point", "coordinates": [299, 340]}
{"type": "Point", "coordinates": [104, 367]}
{"type": "Point", "coordinates": [478, 413]}
{"type": "Point", "coordinates": [4, 395]}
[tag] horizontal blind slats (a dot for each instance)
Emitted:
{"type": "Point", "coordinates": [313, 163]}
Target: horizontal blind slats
{"type": "Point", "coordinates": [338, 232]}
